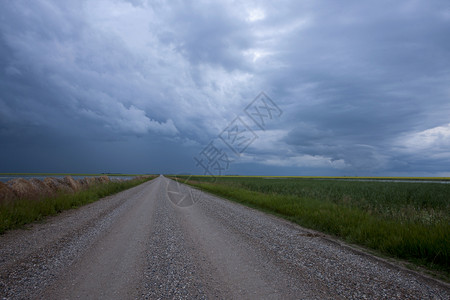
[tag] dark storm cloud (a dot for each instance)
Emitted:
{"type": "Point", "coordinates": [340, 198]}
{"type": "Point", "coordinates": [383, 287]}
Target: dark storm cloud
{"type": "Point", "coordinates": [207, 33]}
{"type": "Point", "coordinates": [372, 75]}
{"type": "Point", "coordinates": [141, 84]}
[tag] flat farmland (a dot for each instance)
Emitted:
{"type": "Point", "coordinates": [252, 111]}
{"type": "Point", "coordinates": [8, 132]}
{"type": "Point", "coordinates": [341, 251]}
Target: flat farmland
{"type": "Point", "coordinates": [405, 218]}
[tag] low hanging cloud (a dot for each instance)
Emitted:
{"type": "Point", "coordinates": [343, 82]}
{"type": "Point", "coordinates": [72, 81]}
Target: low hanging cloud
{"type": "Point", "coordinates": [131, 121]}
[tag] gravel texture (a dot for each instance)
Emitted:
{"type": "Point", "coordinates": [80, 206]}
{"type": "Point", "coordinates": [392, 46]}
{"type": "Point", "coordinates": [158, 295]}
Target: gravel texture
{"type": "Point", "coordinates": [162, 240]}
{"type": "Point", "coordinates": [33, 258]}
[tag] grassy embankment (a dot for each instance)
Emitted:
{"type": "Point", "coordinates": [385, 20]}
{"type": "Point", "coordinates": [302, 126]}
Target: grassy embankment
{"type": "Point", "coordinates": [68, 174]}
{"type": "Point", "coordinates": [410, 221]}
{"type": "Point", "coordinates": [23, 211]}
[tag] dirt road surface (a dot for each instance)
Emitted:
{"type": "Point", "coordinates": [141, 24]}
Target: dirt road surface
{"type": "Point", "coordinates": [154, 242]}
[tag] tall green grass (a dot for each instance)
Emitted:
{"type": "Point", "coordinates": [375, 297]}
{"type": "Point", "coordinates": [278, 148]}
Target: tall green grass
{"type": "Point", "coordinates": [20, 212]}
{"type": "Point", "coordinates": [410, 221]}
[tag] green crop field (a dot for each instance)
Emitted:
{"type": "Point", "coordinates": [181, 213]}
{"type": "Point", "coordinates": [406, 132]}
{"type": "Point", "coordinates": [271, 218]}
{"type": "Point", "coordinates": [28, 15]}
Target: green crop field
{"type": "Point", "coordinates": [406, 220]}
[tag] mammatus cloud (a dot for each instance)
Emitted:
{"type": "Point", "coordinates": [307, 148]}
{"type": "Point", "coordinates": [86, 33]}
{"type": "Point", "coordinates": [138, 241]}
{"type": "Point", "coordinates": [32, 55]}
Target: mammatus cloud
{"type": "Point", "coordinates": [364, 90]}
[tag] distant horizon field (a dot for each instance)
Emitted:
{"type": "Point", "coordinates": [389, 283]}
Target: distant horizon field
{"type": "Point", "coordinates": [412, 178]}
{"type": "Point", "coordinates": [324, 177]}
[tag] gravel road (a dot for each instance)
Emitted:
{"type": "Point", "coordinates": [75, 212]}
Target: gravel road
{"type": "Point", "coordinates": [150, 242]}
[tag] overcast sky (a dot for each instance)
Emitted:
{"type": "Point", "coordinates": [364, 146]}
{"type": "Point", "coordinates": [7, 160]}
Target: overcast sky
{"type": "Point", "coordinates": [354, 87]}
